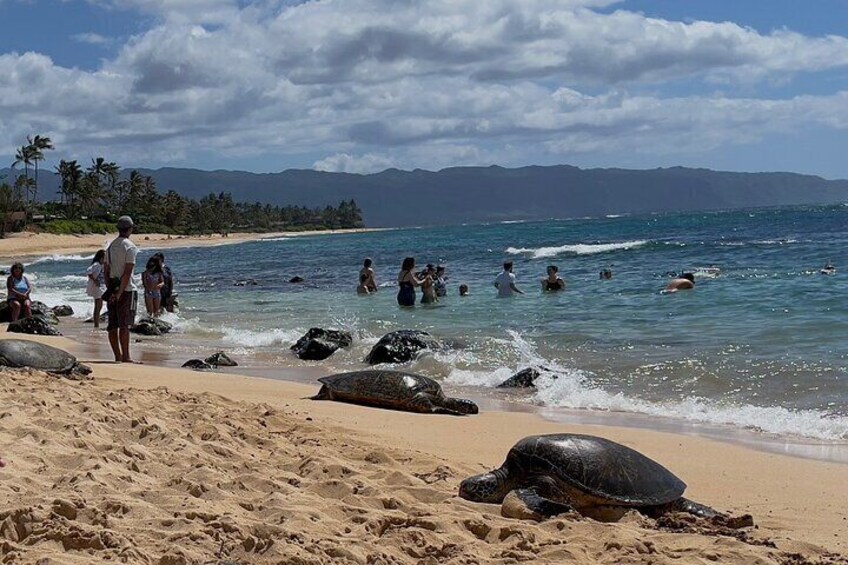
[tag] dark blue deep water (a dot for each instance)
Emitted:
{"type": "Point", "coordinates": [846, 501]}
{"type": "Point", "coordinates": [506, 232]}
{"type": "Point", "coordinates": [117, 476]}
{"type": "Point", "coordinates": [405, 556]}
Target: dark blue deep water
{"type": "Point", "coordinates": [759, 344]}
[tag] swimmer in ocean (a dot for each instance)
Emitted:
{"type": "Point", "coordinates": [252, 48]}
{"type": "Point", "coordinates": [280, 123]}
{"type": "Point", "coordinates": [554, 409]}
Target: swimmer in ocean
{"type": "Point", "coordinates": [686, 281]}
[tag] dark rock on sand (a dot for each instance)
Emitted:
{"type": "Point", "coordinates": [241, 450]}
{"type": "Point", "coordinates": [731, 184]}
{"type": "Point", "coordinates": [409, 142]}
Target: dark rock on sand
{"type": "Point", "coordinates": [221, 359]}
{"type": "Point", "coordinates": [402, 346]}
{"type": "Point", "coordinates": [36, 325]}
{"type": "Point", "coordinates": [296, 279]}
{"type": "Point", "coordinates": [41, 309]}
{"type": "Point", "coordinates": [198, 365]}
{"type": "Point", "coordinates": [63, 310]}
{"type": "Point", "coordinates": [318, 344]}
{"type": "Point", "coordinates": [151, 326]}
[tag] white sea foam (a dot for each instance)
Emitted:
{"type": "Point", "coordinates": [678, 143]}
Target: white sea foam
{"type": "Point", "coordinates": [576, 249]}
{"type": "Point", "coordinates": [247, 338]}
{"type": "Point", "coordinates": [56, 258]}
{"type": "Point", "coordinates": [569, 387]}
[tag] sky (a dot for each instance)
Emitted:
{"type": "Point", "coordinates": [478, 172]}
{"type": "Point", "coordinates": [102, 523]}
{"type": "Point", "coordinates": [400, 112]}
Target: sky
{"type": "Point", "coordinates": [364, 85]}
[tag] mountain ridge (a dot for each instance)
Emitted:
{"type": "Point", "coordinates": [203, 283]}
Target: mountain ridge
{"type": "Point", "coordinates": [395, 197]}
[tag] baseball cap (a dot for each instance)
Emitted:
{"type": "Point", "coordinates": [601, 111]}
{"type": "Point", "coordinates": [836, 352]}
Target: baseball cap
{"type": "Point", "coordinates": [125, 222]}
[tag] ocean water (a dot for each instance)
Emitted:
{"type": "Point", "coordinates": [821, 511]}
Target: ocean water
{"type": "Point", "coordinates": [759, 345]}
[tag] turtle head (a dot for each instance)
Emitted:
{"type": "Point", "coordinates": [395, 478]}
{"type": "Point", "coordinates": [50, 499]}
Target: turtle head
{"type": "Point", "coordinates": [460, 405]}
{"type": "Point", "coordinates": [488, 487]}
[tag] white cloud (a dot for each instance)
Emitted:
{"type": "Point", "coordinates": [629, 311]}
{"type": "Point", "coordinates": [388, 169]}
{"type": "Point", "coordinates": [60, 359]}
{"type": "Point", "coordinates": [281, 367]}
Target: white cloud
{"type": "Point", "coordinates": [91, 38]}
{"type": "Point", "coordinates": [378, 83]}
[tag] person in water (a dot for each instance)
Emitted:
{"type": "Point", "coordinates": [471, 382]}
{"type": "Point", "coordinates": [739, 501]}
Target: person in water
{"type": "Point", "coordinates": [167, 292]}
{"type": "Point", "coordinates": [553, 282]}
{"type": "Point", "coordinates": [428, 285]}
{"type": "Point", "coordinates": [18, 290]}
{"type": "Point", "coordinates": [363, 289]}
{"type": "Point", "coordinates": [463, 290]}
{"type": "Point", "coordinates": [407, 281]}
{"type": "Point", "coordinates": [370, 276]}
{"type": "Point", "coordinates": [606, 274]}
{"type": "Point", "coordinates": [505, 282]}
{"type": "Point", "coordinates": [123, 297]}
{"type": "Point", "coordinates": [686, 281]}
{"type": "Point", "coordinates": [440, 282]}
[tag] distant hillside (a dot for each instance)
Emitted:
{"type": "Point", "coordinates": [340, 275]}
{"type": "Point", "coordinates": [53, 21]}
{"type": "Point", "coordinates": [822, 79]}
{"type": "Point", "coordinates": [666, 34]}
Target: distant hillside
{"type": "Point", "coordinates": [478, 194]}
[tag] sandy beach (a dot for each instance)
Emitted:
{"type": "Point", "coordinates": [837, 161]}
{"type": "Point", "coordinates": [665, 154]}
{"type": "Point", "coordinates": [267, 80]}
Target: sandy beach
{"type": "Point", "coordinates": [145, 464]}
{"type": "Point", "coordinates": [28, 244]}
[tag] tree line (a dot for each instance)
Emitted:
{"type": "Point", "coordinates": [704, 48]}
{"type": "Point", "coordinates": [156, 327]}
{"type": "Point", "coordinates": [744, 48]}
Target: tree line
{"type": "Point", "coordinates": [89, 197]}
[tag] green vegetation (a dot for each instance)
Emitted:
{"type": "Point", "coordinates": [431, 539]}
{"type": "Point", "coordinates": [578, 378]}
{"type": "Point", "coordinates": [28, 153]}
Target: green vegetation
{"type": "Point", "coordinates": [92, 198]}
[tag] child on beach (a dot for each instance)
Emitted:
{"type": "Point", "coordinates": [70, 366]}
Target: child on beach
{"type": "Point", "coordinates": [96, 284]}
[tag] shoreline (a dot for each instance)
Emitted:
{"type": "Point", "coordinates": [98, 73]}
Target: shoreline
{"type": "Point", "coordinates": [29, 244]}
{"type": "Point", "coordinates": [150, 351]}
{"type": "Point", "coordinates": [797, 504]}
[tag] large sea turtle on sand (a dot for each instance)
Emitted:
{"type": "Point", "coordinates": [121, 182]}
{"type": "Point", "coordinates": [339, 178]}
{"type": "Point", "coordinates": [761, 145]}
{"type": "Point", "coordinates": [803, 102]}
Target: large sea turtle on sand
{"type": "Point", "coordinates": [25, 353]}
{"type": "Point", "coordinates": [392, 389]}
{"type": "Point", "coordinates": [552, 474]}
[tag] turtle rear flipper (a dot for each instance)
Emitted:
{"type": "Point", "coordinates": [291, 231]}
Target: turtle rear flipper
{"type": "Point", "coordinates": [703, 511]}
{"type": "Point", "coordinates": [528, 504]}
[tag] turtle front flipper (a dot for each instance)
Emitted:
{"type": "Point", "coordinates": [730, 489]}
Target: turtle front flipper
{"type": "Point", "coordinates": [323, 394]}
{"type": "Point", "coordinates": [457, 406]}
{"type": "Point", "coordinates": [528, 504]}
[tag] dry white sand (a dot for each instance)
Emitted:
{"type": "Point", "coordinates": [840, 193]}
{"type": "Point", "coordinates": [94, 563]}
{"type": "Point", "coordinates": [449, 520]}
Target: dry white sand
{"type": "Point", "coordinates": [27, 244]}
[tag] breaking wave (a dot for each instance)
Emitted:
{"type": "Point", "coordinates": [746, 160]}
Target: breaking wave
{"type": "Point", "coordinates": [576, 249]}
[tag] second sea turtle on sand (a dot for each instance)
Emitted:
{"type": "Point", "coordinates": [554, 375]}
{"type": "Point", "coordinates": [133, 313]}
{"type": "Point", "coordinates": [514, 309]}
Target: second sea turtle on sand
{"type": "Point", "coordinates": [392, 389]}
{"type": "Point", "coordinates": [552, 474]}
{"type": "Point", "coordinates": [24, 353]}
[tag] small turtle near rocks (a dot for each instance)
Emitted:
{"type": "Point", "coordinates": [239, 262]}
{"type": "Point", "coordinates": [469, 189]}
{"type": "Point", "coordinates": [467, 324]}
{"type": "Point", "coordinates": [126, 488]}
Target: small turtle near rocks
{"type": "Point", "coordinates": [18, 353]}
{"type": "Point", "coordinates": [554, 474]}
{"type": "Point", "coordinates": [394, 390]}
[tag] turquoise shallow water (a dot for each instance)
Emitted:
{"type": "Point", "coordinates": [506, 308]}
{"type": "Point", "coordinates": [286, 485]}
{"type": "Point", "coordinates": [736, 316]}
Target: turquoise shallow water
{"type": "Point", "coordinates": [760, 344]}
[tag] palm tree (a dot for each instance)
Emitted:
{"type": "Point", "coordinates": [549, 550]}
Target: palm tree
{"type": "Point", "coordinates": [24, 156]}
{"type": "Point", "coordinates": [37, 146]}
{"type": "Point", "coordinates": [71, 174]}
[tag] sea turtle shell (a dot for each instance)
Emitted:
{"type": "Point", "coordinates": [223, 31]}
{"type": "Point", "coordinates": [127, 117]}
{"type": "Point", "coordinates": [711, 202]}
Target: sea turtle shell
{"type": "Point", "coordinates": [598, 466]}
{"type": "Point", "coordinates": [24, 353]}
{"type": "Point", "coordinates": [388, 389]}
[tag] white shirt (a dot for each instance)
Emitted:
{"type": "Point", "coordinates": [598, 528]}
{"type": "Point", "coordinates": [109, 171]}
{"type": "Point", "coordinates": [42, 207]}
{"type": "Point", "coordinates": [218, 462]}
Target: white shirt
{"type": "Point", "coordinates": [95, 287]}
{"type": "Point", "coordinates": [505, 281]}
{"type": "Point", "coordinates": [120, 252]}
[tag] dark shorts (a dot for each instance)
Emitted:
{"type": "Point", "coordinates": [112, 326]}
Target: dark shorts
{"type": "Point", "coordinates": [122, 312]}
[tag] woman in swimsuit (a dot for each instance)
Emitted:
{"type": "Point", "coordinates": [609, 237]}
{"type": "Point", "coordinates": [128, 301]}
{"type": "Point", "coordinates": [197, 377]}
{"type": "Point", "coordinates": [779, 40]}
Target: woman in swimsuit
{"type": "Point", "coordinates": [19, 289]}
{"type": "Point", "coordinates": [407, 282]}
{"type": "Point", "coordinates": [553, 282]}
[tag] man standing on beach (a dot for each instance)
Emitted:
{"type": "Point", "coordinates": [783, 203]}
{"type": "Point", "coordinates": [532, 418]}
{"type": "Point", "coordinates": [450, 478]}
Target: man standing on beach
{"type": "Point", "coordinates": [505, 283]}
{"type": "Point", "coordinates": [123, 297]}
